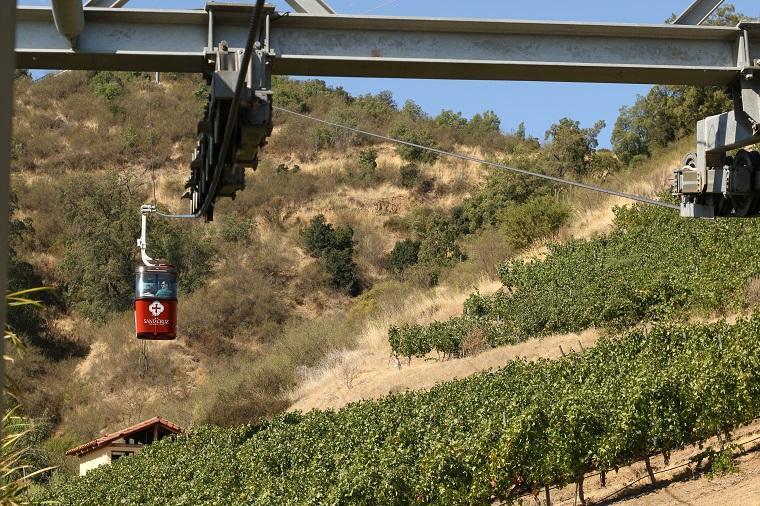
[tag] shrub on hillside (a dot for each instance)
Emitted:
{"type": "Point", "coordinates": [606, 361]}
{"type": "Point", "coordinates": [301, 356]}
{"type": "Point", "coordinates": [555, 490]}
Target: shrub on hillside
{"type": "Point", "coordinates": [417, 135]}
{"type": "Point", "coordinates": [366, 170]}
{"type": "Point", "coordinates": [500, 191]}
{"type": "Point", "coordinates": [408, 174]}
{"type": "Point", "coordinates": [236, 229]}
{"type": "Point", "coordinates": [319, 237]}
{"type": "Point", "coordinates": [404, 254]}
{"type": "Point", "coordinates": [334, 247]}
{"type": "Point", "coordinates": [537, 218]}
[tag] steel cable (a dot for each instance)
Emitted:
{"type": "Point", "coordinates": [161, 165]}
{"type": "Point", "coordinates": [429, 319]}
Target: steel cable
{"type": "Point", "coordinates": [569, 182]}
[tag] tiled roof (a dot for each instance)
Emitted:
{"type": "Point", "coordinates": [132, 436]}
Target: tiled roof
{"type": "Point", "coordinates": [104, 440]}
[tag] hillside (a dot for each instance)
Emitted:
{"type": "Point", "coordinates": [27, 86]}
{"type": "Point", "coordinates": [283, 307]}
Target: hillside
{"type": "Point", "coordinates": [258, 308]}
{"type": "Point", "coordinates": [367, 372]}
{"type": "Point", "coordinates": [349, 270]}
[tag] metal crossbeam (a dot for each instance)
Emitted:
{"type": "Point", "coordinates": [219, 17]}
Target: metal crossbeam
{"type": "Point", "coordinates": [112, 4]}
{"type": "Point", "coordinates": [339, 45]}
{"type": "Point", "coordinates": [311, 6]}
{"type": "Point", "coordinates": [698, 12]}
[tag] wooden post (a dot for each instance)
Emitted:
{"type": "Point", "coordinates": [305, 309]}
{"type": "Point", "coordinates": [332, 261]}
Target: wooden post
{"type": "Point", "coordinates": [648, 463]}
{"type": "Point", "coordinates": [581, 496]}
{"type": "Point", "coordinates": [7, 66]}
{"type": "Point", "coordinates": [547, 495]}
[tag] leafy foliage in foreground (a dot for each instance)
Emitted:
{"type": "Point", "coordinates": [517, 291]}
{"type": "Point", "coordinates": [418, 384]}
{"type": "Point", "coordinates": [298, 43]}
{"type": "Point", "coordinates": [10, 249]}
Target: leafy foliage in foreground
{"type": "Point", "coordinates": [534, 423]}
{"type": "Point", "coordinates": [653, 265]}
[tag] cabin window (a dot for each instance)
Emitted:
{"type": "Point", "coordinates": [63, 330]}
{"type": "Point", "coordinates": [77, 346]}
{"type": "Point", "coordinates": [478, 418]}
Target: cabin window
{"type": "Point", "coordinates": [117, 454]}
{"type": "Point", "coordinates": [155, 284]}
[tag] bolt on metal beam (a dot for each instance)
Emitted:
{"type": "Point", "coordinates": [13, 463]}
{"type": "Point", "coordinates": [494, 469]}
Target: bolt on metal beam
{"type": "Point", "coordinates": [698, 12]}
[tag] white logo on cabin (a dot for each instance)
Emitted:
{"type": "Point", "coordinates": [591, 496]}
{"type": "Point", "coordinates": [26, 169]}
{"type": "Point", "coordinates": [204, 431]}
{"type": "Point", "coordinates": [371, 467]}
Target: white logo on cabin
{"type": "Point", "coordinates": [156, 308]}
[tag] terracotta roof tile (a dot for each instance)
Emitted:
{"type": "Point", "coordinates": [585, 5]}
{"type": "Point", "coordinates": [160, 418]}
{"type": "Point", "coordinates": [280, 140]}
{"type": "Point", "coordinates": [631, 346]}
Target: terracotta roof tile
{"type": "Point", "coordinates": [104, 440]}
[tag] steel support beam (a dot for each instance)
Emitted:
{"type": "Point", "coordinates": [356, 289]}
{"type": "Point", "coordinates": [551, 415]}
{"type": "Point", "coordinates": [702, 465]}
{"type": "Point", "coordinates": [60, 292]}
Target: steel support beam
{"type": "Point", "coordinates": [7, 64]}
{"type": "Point", "coordinates": [311, 6]}
{"type": "Point", "coordinates": [68, 16]}
{"type": "Point", "coordinates": [720, 133]}
{"type": "Point", "coordinates": [698, 12]}
{"type": "Point", "coordinates": [112, 4]}
{"type": "Point", "coordinates": [339, 45]}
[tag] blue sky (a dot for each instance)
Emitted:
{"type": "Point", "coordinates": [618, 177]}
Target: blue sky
{"type": "Point", "coordinates": [537, 104]}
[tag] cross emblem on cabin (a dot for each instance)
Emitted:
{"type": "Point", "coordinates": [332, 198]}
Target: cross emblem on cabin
{"type": "Point", "coordinates": [156, 308]}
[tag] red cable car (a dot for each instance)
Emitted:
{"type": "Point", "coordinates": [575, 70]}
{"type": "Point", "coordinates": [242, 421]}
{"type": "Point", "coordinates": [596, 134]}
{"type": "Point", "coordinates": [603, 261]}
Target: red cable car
{"type": "Point", "coordinates": [156, 302]}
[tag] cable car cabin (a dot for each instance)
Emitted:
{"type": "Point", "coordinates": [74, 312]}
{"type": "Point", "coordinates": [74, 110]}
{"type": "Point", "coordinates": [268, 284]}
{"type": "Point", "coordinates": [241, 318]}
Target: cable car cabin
{"type": "Point", "coordinates": [156, 302]}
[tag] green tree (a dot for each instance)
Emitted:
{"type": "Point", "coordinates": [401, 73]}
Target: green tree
{"type": "Point", "coordinates": [439, 244]}
{"type": "Point", "coordinates": [98, 243]}
{"type": "Point", "coordinates": [570, 146]}
{"type": "Point", "coordinates": [334, 247]}
{"type": "Point", "coordinates": [414, 111]}
{"type": "Point", "coordinates": [487, 122]}
{"type": "Point", "coordinates": [450, 119]}
{"type": "Point", "coordinates": [319, 237]}
{"type": "Point", "coordinates": [416, 135]}
{"type": "Point", "coordinates": [368, 164]}
{"type": "Point", "coordinates": [663, 115]}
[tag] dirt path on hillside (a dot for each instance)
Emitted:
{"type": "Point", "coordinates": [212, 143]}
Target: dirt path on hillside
{"type": "Point", "coordinates": [371, 375]}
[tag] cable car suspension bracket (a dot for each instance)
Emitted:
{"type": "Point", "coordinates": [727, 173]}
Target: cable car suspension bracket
{"type": "Point", "coordinates": [253, 125]}
{"type": "Point", "coordinates": [710, 183]}
{"type": "Point", "coordinates": [142, 241]}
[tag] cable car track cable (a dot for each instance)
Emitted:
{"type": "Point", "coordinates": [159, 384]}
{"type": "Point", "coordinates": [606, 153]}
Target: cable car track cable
{"type": "Point", "coordinates": [451, 154]}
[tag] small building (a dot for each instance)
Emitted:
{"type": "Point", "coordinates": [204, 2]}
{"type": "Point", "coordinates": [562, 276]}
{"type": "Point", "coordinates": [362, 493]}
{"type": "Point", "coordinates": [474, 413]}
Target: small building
{"type": "Point", "coordinates": [111, 447]}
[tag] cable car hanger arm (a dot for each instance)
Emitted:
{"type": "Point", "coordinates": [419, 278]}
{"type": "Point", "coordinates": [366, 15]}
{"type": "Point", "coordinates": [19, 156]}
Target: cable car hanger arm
{"type": "Point", "coordinates": [142, 241]}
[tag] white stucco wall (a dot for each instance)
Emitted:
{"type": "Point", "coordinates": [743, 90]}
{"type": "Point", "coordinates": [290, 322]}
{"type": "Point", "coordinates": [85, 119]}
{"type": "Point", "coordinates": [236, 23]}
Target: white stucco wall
{"type": "Point", "coordinates": [94, 459]}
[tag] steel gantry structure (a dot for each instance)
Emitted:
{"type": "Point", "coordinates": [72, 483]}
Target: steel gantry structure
{"type": "Point", "coordinates": [209, 41]}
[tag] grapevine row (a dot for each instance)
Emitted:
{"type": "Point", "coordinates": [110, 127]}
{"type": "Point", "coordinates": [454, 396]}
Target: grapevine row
{"type": "Point", "coordinates": [653, 265]}
{"type": "Point", "coordinates": [470, 441]}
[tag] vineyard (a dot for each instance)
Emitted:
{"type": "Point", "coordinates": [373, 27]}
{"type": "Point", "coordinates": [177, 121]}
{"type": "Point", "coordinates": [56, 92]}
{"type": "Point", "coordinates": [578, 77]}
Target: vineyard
{"type": "Point", "coordinates": [490, 437]}
{"type": "Point", "coordinates": [653, 265]}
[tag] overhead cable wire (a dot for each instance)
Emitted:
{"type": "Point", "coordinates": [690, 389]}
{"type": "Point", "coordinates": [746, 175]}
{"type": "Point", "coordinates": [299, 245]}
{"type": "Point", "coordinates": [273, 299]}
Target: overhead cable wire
{"type": "Point", "coordinates": [451, 154]}
{"type": "Point", "coordinates": [254, 28]}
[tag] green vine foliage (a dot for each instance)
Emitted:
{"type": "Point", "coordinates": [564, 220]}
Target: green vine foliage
{"type": "Point", "coordinates": [653, 265]}
{"type": "Point", "coordinates": [464, 442]}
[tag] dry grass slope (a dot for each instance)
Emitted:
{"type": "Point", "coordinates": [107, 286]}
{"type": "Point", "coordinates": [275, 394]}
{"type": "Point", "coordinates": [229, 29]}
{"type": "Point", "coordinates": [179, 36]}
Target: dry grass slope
{"type": "Point", "coordinates": [374, 374]}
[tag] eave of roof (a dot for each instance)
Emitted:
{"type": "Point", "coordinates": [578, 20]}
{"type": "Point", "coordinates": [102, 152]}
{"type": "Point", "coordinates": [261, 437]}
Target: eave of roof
{"type": "Point", "coordinates": [104, 440]}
